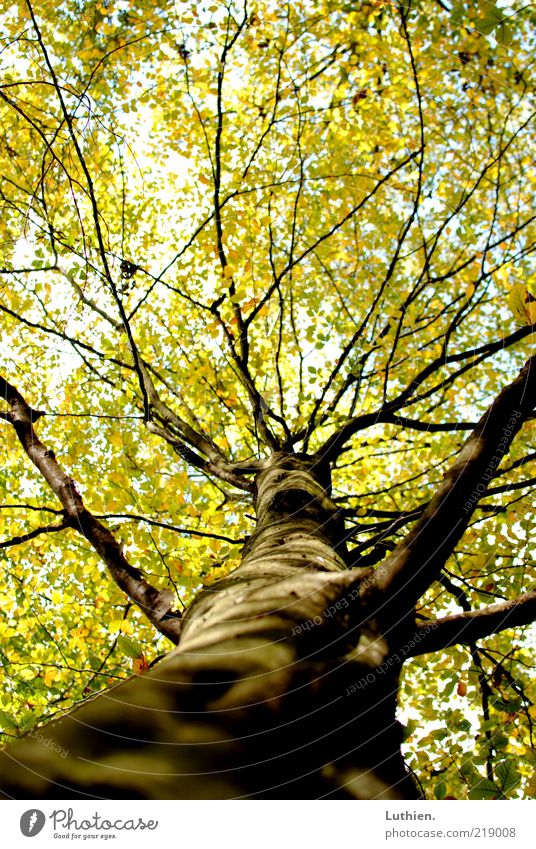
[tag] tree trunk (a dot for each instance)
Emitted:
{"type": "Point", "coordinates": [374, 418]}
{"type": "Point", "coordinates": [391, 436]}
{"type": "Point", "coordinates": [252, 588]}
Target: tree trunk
{"type": "Point", "coordinates": [283, 684]}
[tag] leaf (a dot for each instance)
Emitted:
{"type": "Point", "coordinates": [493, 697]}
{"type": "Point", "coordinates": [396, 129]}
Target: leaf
{"type": "Point", "coordinates": [409, 728]}
{"type": "Point", "coordinates": [507, 776]}
{"type": "Point", "coordinates": [187, 580]}
{"type": "Point", "coordinates": [440, 790]}
{"type": "Point", "coordinates": [448, 688]}
{"type": "Point", "coordinates": [530, 310]}
{"type": "Point", "coordinates": [518, 299]}
{"type": "Point", "coordinates": [504, 34]}
{"type": "Point", "coordinates": [492, 18]}
{"type": "Point", "coordinates": [8, 722]}
{"type": "Point", "coordinates": [130, 648]}
{"type": "Point", "coordinates": [485, 789]}
{"type": "Point", "coordinates": [50, 676]}
{"type": "Point", "coordinates": [140, 665]}
{"type": "Point", "coordinates": [512, 705]}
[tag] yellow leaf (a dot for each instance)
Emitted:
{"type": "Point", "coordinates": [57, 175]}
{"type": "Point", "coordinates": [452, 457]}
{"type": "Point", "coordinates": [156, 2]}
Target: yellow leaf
{"type": "Point", "coordinates": [530, 310]}
{"type": "Point", "coordinates": [50, 676]}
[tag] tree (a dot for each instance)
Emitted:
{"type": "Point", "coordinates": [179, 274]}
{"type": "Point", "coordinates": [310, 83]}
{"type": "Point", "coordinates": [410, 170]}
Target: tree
{"type": "Point", "coordinates": [267, 303]}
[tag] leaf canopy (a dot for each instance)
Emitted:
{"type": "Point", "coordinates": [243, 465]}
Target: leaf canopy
{"type": "Point", "coordinates": [288, 217]}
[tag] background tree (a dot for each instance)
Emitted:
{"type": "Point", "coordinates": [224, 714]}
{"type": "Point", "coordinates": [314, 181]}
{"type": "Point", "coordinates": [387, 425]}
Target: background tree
{"type": "Point", "coordinates": [267, 304]}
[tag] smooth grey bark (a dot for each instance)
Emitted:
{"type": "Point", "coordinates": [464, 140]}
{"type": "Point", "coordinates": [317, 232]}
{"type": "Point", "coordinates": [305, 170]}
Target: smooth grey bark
{"type": "Point", "coordinates": [283, 684]}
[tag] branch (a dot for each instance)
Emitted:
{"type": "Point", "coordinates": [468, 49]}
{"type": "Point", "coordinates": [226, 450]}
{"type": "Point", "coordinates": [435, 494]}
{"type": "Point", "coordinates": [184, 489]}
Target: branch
{"type": "Point", "coordinates": [326, 235]}
{"type": "Point", "coordinates": [428, 427]}
{"type": "Point", "coordinates": [45, 529]}
{"type": "Point", "coordinates": [174, 427]}
{"type": "Point", "coordinates": [154, 603]}
{"type": "Point", "coordinates": [510, 487]}
{"type": "Point", "coordinates": [228, 472]}
{"type": "Point", "coordinates": [487, 349]}
{"type": "Point", "coordinates": [417, 561]}
{"type": "Point", "coordinates": [76, 343]}
{"type": "Point", "coordinates": [133, 517]}
{"type": "Point", "coordinates": [466, 628]}
{"type": "Point", "coordinates": [68, 118]}
{"type": "Point", "coordinates": [333, 445]}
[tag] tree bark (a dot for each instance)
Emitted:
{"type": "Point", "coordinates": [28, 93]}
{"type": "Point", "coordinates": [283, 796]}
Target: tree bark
{"type": "Point", "coordinates": [282, 685]}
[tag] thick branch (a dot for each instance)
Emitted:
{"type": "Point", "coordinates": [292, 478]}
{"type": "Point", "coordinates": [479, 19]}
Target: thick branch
{"type": "Point", "coordinates": [154, 603]}
{"type": "Point", "coordinates": [468, 627]}
{"type": "Point", "coordinates": [417, 561]}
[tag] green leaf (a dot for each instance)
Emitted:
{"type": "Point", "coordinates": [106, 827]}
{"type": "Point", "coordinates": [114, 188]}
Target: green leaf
{"type": "Point", "coordinates": [440, 790]}
{"type": "Point", "coordinates": [507, 775]}
{"type": "Point", "coordinates": [530, 755]}
{"type": "Point", "coordinates": [507, 705]}
{"type": "Point", "coordinates": [504, 34]}
{"type": "Point", "coordinates": [449, 688]}
{"type": "Point", "coordinates": [409, 729]}
{"type": "Point", "coordinates": [186, 581]}
{"type": "Point", "coordinates": [485, 789]}
{"type": "Point", "coordinates": [467, 769]}
{"type": "Point", "coordinates": [129, 647]}
{"type": "Point", "coordinates": [27, 723]}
